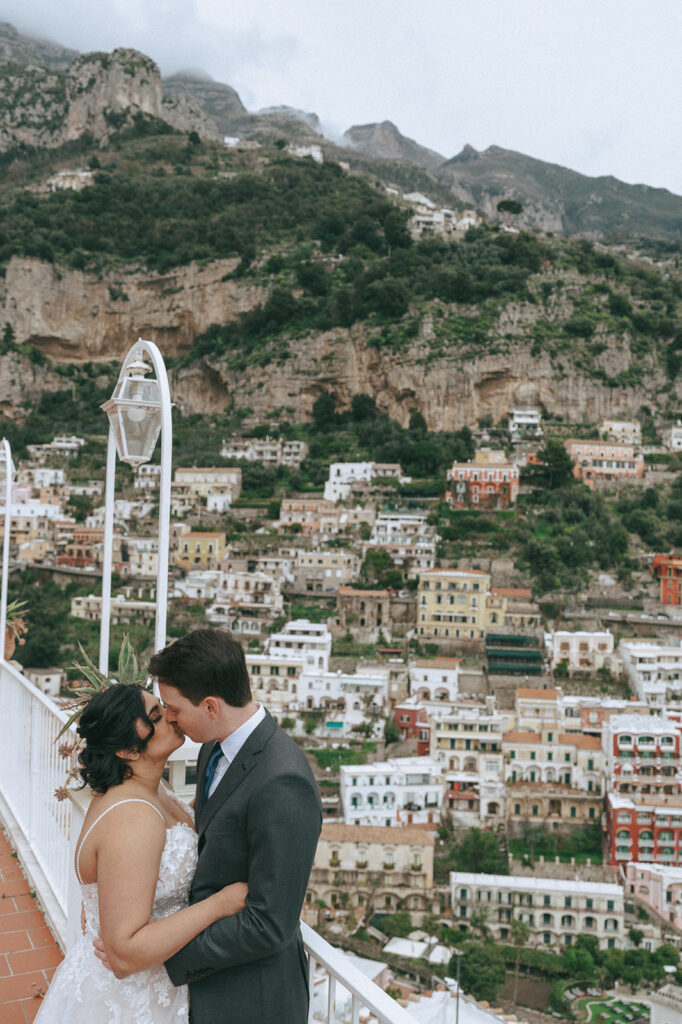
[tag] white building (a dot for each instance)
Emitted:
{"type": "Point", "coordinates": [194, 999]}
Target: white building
{"type": "Point", "coordinates": [275, 681]}
{"type": "Point", "coordinates": [525, 424]}
{"type": "Point", "coordinates": [300, 152]}
{"type": "Point", "coordinates": [400, 791]}
{"type": "Point", "coordinates": [557, 910]}
{"type": "Point", "coordinates": [147, 477]}
{"type": "Point", "coordinates": [435, 679]}
{"type": "Point", "coordinates": [198, 585]}
{"type": "Point", "coordinates": [311, 641]}
{"type": "Point", "coordinates": [271, 451]}
{"type": "Point", "coordinates": [582, 651]}
{"type": "Point", "coordinates": [672, 437]}
{"type": "Point", "coordinates": [218, 485]}
{"type": "Point", "coordinates": [143, 556]}
{"type": "Point", "coordinates": [67, 445]}
{"type": "Point", "coordinates": [359, 694]}
{"type": "Point", "coordinates": [253, 594]}
{"type": "Point", "coordinates": [342, 475]}
{"type": "Point", "coordinates": [654, 670]}
{"type": "Point", "coordinates": [48, 680]}
{"type": "Point", "coordinates": [623, 431]}
{"type": "Point", "coordinates": [402, 528]}
{"type": "Point", "coordinates": [123, 610]}
{"type": "Point", "coordinates": [47, 476]}
{"type": "Point", "coordinates": [466, 739]}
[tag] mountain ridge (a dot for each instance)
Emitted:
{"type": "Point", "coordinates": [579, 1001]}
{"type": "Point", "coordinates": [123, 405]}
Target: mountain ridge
{"type": "Point", "coordinates": [44, 103]}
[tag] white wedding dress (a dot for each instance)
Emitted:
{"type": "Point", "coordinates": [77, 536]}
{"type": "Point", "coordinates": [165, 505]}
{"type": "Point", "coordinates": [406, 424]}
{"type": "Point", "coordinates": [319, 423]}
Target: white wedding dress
{"type": "Point", "coordinates": [83, 991]}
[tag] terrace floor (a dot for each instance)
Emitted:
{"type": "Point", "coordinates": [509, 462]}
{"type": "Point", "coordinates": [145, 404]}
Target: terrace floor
{"type": "Point", "coordinates": [29, 954]}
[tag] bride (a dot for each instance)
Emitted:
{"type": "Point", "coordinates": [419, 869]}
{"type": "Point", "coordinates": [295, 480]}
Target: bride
{"type": "Point", "coordinates": [135, 859]}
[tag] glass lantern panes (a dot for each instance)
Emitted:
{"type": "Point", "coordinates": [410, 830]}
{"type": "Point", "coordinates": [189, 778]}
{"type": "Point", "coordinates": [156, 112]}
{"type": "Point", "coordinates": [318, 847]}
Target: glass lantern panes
{"type": "Point", "coordinates": [134, 412]}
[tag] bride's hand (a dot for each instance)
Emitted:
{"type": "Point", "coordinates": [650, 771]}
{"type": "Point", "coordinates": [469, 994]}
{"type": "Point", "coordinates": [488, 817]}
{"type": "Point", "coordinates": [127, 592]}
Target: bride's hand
{"type": "Point", "coordinates": [233, 898]}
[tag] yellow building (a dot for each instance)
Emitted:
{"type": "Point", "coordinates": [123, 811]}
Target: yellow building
{"type": "Point", "coordinates": [200, 550]}
{"type": "Point", "coordinates": [457, 604]}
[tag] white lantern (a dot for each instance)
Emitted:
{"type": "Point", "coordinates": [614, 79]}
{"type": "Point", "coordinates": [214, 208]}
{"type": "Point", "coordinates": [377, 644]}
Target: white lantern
{"type": "Point", "coordinates": [134, 412]}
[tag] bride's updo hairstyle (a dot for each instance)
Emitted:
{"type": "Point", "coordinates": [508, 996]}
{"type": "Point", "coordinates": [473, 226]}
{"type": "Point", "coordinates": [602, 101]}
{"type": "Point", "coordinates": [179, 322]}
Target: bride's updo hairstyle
{"type": "Point", "coordinates": [109, 724]}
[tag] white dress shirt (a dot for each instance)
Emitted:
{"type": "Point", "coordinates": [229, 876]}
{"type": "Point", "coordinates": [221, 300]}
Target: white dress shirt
{"type": "Point", "coordinates": [233, 743]}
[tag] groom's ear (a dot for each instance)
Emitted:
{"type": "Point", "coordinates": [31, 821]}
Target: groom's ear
{"type": "Point", "coordinates": [212, 706]}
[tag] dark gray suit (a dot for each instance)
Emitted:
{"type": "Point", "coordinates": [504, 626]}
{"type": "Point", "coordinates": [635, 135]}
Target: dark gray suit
{"type": "Point", "coordinates": [260, 826]}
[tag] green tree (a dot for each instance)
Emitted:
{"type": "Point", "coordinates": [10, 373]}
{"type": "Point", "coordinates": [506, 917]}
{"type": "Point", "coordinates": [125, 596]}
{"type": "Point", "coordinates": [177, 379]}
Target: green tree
{"type": "Point", "coordinates": [8, 338]}
{"type": "Point", "coordinates": [557, 464]}
{"type": "Point", "coordinates": [579, 963]}
{"type": "Point", "coordinates": [480, 851]}
{"type": "Point", "coordinates": [520, 933]}
{"type": "Point", "coordinates": [378, 570]}
{"type": "Point", "coordinates": [391, 731]}
{"type": "Point", "coordinates": [483, 971]}
{"type": "Point", "coordinates": [636, 936]}
{"type": "Point", "coordinates": [512, 206]}
{"type": "Point", "coordinates": [479, 920]}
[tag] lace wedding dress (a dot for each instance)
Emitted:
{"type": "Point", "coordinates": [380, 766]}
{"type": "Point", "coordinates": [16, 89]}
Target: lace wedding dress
{"type": "Point", "coordinates": [83, 991]}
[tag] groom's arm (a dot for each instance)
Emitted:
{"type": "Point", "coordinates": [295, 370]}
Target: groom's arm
{"type": "Point", "coordinates": [283, 827]}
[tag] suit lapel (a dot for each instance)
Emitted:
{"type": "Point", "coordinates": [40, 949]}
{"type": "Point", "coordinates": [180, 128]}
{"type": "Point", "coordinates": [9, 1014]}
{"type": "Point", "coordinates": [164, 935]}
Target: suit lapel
{"type": "Point", "coordinates": [239, 769]}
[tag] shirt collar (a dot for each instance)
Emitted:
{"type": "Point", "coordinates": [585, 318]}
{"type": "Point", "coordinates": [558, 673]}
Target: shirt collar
{"type": "Point", "coordinates": [233, 743]}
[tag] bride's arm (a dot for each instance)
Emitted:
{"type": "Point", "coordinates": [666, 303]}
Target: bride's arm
{"type": "Point", "coordinates": [129, 852]}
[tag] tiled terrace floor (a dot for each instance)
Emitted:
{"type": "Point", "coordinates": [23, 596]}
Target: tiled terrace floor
{"type": "Point", "coordinates": [28, 951]}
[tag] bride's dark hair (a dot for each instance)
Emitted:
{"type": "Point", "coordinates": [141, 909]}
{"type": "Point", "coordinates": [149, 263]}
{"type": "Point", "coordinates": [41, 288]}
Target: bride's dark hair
{"type": "Point", "coordinates": [109, 723]}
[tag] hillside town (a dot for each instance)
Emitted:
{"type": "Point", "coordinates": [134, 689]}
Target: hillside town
{"type": "Point", "coordinates": [446, 706]}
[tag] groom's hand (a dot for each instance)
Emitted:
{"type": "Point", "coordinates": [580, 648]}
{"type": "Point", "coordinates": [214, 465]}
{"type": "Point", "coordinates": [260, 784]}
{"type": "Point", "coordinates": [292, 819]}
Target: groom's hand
{"type": "Point", "coordinates": [98, 947]}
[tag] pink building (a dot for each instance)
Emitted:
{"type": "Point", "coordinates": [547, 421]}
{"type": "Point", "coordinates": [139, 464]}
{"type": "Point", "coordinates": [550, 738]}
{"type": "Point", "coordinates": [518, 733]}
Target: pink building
{"type": "Point", "coordinates": [657, 885]}
{"type": "Point", "coordinates": [596, 461]}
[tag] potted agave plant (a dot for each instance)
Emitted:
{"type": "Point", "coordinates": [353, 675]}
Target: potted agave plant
{"type": "Point", "coordinates": [15, 627]}
{"type": "Point", "coordinates": [93, 682]}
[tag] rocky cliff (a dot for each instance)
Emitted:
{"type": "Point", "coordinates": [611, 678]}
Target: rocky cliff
{"type": "Point", "coordinates": [71, 316]}
{"type": "Point", "coordinates": [77, 317]}
{"type": "Point", "coordinates": [95, 96]}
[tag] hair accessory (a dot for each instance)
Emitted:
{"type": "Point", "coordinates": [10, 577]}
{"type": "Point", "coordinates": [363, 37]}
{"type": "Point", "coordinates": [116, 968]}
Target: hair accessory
{"type": "Point", "coordinates": [94, 682]}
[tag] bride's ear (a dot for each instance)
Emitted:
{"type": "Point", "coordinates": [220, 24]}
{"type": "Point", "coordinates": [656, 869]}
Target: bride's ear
{"type": "Point", "coordinates": [128, 755]}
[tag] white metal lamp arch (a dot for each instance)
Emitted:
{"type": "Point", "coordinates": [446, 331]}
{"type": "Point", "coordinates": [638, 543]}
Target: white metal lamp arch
{"type": "Point", "coordinates": [139, 410]}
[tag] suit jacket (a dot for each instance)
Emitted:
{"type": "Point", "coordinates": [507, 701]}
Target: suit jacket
{"type": "Point", "coordinates": [260, 826]}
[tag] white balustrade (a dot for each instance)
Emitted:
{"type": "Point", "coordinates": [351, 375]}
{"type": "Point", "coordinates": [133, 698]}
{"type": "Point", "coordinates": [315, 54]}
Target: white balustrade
{"type": "Point", "coordinates": [45, 831]}
{"type": "Point", "coordinates": [31, 769]}
{"type": "Point", "coordinates": [328, 1004]}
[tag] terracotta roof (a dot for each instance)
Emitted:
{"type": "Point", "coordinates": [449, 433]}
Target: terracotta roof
{"type": "Point", "coordinates": [335, 833]}
{"type": "Point", "coordinates": [530, 694]}
{"type": "Point", "coordinates": [522, 737]}
{"type": "Point", "coordinates": [437, 662]}
{"type": "Point", "coordinates": [465, 572]}
{"type": "Point", "coordinates": [579, 740]}
{"type": "Point", "coordinates": [521, 593]}
{"type": "Point", "coordinates": [371, 593]}
{"type": "Point", "coordinates": [202, 533]}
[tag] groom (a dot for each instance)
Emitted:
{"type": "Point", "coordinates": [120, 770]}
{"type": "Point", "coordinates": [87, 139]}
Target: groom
{"type": "Point", "coordinates": [258, 817]}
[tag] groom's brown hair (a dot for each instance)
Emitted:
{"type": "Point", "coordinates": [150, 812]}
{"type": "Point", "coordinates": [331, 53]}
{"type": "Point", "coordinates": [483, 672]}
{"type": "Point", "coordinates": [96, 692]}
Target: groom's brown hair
{"type": "Point", "coordinates": [205, 663]}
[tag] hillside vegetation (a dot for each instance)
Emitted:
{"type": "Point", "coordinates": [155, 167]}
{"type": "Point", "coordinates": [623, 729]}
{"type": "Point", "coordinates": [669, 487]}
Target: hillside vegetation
{"type": "Point", "coordinates": [334, 251]}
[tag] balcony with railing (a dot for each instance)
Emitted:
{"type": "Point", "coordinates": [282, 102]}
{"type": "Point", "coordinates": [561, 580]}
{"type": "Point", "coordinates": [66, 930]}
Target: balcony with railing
{"type": "Point", "coordinates": [44, 831]}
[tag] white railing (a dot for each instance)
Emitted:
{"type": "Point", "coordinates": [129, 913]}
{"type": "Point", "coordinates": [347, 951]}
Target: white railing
{"type": "Point", "coordinates": [45, 831]}
{"type": "Point", "coordinates": [341, 990]}
{"type": "Point", "coordinates": [30, 771]}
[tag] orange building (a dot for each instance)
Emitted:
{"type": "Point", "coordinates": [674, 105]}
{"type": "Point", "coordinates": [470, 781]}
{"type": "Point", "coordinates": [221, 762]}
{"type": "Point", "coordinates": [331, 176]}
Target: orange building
{"type": "Point", "coordinates": [668, 570]}
{"type": "Point", "coordinates": [594, 461]}
{"type": "Point", "coordinates": [487, 482]}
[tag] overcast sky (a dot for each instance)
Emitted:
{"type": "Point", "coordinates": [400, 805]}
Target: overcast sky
{"type": "Point", "coordinates": [594, 85]}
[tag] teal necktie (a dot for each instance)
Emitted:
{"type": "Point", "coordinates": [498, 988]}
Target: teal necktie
{"type": "Point", "coordinates": [211, 767]}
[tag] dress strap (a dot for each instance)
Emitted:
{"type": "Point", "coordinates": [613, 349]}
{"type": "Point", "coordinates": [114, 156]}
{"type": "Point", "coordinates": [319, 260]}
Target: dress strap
{"type": "Point", "coordinates": [130, 800]}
